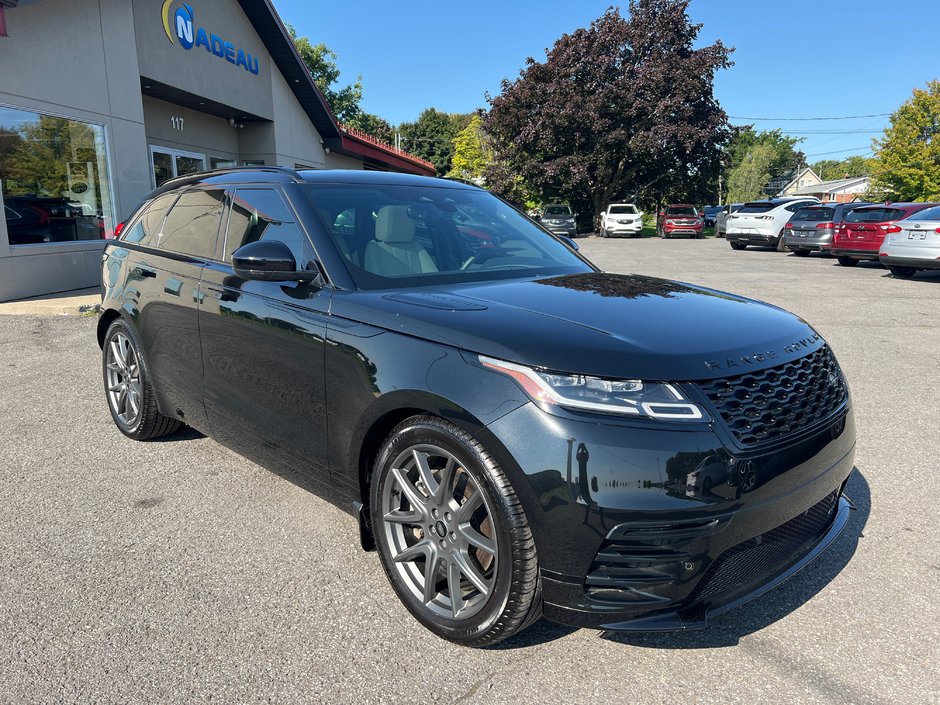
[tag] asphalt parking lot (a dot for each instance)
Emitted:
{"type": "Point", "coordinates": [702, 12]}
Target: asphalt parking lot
{"type": "Point", "coordinates": [177, 571]}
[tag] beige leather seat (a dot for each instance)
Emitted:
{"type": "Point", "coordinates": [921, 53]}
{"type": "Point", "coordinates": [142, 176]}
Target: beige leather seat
{"type": "Point", "coordinates": [394, 252]}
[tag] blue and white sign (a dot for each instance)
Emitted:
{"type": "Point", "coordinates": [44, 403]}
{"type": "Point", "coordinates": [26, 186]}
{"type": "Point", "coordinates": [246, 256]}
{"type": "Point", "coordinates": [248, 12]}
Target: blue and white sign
{"type": "Point", "coordinates": [183, 28]}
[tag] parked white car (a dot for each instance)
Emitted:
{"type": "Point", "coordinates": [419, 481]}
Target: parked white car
{"type": "Point", "coordinates": [913, 244]}
{"type": "Point", "coordinates": [762, 222]}
{"type": "Point", "coordinates": [622, 219]}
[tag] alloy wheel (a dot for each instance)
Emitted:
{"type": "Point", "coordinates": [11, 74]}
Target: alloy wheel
{"type": "Point", "coordinates": [439, 529]}
{"type": "Point", "coordinates": [123, 380]}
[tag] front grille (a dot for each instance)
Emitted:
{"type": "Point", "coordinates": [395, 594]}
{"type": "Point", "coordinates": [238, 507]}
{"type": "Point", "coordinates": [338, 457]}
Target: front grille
{"type": "Point", "coordinates": [763, 406]}
{"type": "Point", "coordinates": [764, 556]}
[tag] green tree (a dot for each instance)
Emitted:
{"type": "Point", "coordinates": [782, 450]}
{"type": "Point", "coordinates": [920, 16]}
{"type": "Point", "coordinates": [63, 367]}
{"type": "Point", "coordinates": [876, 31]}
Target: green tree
{"type": "Point", "coordinates": [431, 136]}
{"type": "Point", "coordinates": [624, 106]}
{"type": "Point", "coordinates": [747, 180]}
{"type": "Point", "coordinates": [472, 153]}
{"type": "Point", "coordinates": [833, 169]}
{"type": "Point", "coordinates": [320, 61]}
{"type": "Point", "coordinates": [906, 165]}
{"type": "Point", "coordinates": [784, 155]}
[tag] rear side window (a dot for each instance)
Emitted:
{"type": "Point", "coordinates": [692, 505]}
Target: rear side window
{"type": "Point", "coordinates": [814, 215]}
{"type": "Point", "coordinates": [927, 214]}
{"type": "Point", "coordinates": [873, 215]}
{"type": "Point", "coordinates": [146, 229]}
{"type": "Point", "coordinates": [192, 226]}
{"type": "Point", "coordinates": [799, 205]}
{"type": "Point", "coordinates": [262, 214]}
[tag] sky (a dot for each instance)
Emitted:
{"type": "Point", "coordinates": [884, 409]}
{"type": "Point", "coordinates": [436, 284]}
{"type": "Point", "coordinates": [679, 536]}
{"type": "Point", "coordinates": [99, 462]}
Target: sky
{"type": "Point", "coordinates": [793, 58]}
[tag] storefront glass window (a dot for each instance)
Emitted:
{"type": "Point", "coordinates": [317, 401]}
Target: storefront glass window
{"type": "Point", "coordinates": [54, 179]}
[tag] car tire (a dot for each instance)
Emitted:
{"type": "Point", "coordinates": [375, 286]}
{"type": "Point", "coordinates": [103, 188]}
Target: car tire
{"type": "Point", "coordinates": [781, 245]}
{"type": "Point", "coordinates": [902, 272]}
{"type": "Point", "coordinates": [801, 253]}
{"type": "Point", "coordinates": [738, 245]}
{"type": "Point", "coordinates": [847, 261]}
{"type": "Point", "coordinates": [129, 393]}
{"type": "Point", "coordinates": [438, 496]}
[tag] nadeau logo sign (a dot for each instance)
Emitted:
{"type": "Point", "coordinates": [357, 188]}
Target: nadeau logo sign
{"type": "Point", "coordinates": [182, 27]}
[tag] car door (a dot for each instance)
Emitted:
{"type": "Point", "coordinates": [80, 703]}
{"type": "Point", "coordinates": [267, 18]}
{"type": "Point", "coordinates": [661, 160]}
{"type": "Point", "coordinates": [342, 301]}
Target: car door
{"type": "Point", "coordinates": [167, 248]}
{"type": "Point", "coordinates": [263, 343]}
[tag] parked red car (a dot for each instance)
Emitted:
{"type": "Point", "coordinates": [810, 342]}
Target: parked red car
{"type": "Point", "coordinates": [860, 235]}
{"type": "Point", "coordinates": [680, 219]}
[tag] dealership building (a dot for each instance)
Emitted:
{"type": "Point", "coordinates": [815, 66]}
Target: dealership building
{"type": "Point", "coordinates": [103, 100]}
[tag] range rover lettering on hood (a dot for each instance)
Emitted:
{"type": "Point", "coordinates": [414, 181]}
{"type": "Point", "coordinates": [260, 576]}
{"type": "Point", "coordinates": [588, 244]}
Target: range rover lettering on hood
{"type": "Point", "coordinates": [755, 358]}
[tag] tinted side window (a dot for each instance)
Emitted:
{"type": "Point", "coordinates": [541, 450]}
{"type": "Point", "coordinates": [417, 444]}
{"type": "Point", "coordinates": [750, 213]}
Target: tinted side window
{"type": "Point", "coordinates": [262, 214]}
{"type": "Point", "coordinates": [146, 229]}
{"type": "Point", "coordinates": [794, 207]}
{"type": "Point", "coordinates": [193, 224]}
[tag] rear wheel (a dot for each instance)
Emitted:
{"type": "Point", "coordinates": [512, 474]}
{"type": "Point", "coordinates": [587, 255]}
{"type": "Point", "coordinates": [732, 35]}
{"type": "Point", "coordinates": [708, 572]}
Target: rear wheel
{"type": "Point", "coordinates": [781, 242]}
{"type": "Point", "coordinates": [848, 261]}
{"type": "Point", "coordinates": [738, 245]}
{"type": "Point", "coordinates": [452, 535]}
{"type": "Point", "coordinates": [130, 395]}
{"type": "Point", "coordinates": [902, 272]}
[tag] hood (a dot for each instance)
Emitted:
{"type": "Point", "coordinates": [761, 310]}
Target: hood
{"type": "Point", "coordinates": [608, 325]}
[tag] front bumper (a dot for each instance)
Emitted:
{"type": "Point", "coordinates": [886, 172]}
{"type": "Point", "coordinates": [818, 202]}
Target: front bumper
{"type": "Point", "coordinates": [617, 229]}
{"type": "Point", "coordinates": [626, 542]}
{"type": "Point", "coordinates": [566, 230]}
{"type": "Point", "coordinates": [682, 230]}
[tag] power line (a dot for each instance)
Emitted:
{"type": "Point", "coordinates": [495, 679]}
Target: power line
{"type": "Point", "coordinates": [844, 117]}
{"type": "Point", "coordinates": [867, 149]}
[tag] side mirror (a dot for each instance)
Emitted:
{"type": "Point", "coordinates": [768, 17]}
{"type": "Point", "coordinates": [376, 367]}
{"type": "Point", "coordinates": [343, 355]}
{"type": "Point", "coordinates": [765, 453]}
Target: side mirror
{"type": "Point", "coordinates": [569, 242]}
{"type": "Point", "coordinates": [268, 260]}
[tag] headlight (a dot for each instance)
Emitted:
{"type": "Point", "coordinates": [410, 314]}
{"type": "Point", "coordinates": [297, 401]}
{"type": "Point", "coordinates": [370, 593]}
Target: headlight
{"type": "Point", "coordinates": [628, 397]}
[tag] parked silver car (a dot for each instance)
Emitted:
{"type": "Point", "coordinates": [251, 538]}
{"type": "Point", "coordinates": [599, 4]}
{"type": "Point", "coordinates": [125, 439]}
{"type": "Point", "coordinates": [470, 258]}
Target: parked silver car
{"type": "Point", "coordinates": [722, 218]}
{"type": "Point", "coordinates": [913, 244]}
{"type": "Point", "coordinates": [811, 229]}
{"type": "Point", "coordinates": [761, 222]}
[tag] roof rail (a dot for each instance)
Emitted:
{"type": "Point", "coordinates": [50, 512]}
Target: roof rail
{"type": "Point", "coordinates": [200, 175]}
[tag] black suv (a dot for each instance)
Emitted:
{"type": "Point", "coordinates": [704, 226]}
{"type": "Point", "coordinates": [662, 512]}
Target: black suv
{"type": "Point", "coordinates": [517, 432]}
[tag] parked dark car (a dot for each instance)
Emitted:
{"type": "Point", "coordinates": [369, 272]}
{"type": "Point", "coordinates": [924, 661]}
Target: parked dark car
{"type": "Point", "coordinates": [514, 429]}
{"type": "Point", "coordinates": [811, 229]}
{"type": "Point", "coordinates": [679, 219]}
{"type": "Point", "coordinates": [863, 231]}
{"type": "Point", "coordinates": [710, 215]}
{"type": "Point", "coordinates": [32, 220]}
{"type": "Point", "coordinates": [558, 219]}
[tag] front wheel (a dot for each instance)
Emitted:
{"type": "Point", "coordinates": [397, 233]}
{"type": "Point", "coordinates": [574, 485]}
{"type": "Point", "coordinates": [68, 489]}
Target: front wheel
{"type": "Point", "coordinates": [848, 261]}
{"type": "Point", "coordinates": [738, 245]}
{"type": "Point", "coordinates": [902, 272]}
{"type": "Point", "coordinates": [452, 535]}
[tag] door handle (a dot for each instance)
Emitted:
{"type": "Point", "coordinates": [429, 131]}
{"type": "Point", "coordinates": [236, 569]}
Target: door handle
{"type": "Point", "coordinates": [144, 272]}
{"type": "Point", "coordinates": [222, 294]}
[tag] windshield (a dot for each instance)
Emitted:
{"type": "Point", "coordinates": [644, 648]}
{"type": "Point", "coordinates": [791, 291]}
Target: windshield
{"type": "Point", "coordinates": [557, 210]}
{"type": "Point", "coordinates": [759, 207]}
{"type": "Point", "coordinates": [872, 215]}
{"type": "Point", "coordinates": [814, 215]}
{"type": "Point", "coordinates": [620, 210]}
{"type": "Point", "coordinates": [403, 236]}
{"type": "Point", "coordinates": [680, 210]}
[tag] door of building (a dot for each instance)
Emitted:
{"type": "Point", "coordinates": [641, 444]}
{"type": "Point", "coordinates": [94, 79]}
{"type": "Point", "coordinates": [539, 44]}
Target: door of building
{"type": "Point", "coordinates": [169, 163]}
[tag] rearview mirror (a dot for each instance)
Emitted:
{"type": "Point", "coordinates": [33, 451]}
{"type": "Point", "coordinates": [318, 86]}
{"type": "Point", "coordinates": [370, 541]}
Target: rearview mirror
{"type": "Point", "coordinates": [268, 260]}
